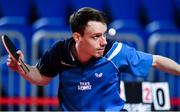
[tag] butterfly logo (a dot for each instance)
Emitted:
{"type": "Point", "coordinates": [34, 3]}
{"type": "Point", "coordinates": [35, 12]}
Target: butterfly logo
{"type": "Point", "coordinates": [98, 75]}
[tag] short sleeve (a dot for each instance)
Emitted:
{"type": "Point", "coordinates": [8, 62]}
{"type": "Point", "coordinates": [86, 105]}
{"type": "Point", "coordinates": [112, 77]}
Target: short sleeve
{"type": "Point", "coordinates": [129, 60]}
{"type": "Point", "coordinates": [139, 62]}
{"type": "Point", "coordinates": [49, 64]}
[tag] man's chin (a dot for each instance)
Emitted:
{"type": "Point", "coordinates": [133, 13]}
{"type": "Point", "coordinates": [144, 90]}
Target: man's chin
{"type": "Point", "coordinates": [99, 55]}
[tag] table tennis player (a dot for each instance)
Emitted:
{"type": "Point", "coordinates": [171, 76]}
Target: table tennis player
{"type": "Point", "coordinates": [89, 65]}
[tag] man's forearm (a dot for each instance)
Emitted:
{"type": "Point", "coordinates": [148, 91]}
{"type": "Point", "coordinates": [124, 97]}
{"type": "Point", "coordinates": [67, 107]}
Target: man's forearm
{"type": "Point", "coordinates": [166, 64]}
{"type": "Point", "coordinates": [34, 76]}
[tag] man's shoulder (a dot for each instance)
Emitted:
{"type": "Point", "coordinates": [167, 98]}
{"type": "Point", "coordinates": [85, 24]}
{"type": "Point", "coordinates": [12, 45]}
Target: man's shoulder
{"type": "Point", "coordinates": [64, 42]}
{"type": "Point", "coordinates": [60, 47]}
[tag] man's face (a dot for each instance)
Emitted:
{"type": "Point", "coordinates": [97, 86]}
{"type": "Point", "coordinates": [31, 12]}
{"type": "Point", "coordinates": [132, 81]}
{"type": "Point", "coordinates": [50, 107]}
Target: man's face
{"type": "Point", "coordinates": [93, 42]}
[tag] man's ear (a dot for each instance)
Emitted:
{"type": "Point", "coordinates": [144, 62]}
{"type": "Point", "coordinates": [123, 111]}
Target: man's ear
{"type": "Point", "coordinates": [76, 37]}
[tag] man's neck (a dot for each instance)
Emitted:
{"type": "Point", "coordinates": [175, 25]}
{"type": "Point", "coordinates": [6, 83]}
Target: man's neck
{"type": "Point", "coordinates": [83, 58]}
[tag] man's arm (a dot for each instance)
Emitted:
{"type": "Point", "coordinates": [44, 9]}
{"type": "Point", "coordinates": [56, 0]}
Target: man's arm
{"type": "Point", "coordinates": [166, 64]}
{"type": "Point", "coordinates": [33, 76]}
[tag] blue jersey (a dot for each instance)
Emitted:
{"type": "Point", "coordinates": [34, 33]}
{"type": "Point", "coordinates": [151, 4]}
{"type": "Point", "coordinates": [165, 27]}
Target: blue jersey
{"type": "Point", "coordinates": [95, 86]}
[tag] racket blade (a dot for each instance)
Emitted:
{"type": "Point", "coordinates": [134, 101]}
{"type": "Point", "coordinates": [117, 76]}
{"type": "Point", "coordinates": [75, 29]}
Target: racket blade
{"type": "Point", "coordinates": [10, 47]}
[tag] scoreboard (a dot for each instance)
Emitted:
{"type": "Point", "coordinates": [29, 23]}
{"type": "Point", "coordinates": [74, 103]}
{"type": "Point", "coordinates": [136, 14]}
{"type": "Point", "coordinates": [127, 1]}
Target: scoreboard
{"type": "Point", "coordinates": [145, 96]}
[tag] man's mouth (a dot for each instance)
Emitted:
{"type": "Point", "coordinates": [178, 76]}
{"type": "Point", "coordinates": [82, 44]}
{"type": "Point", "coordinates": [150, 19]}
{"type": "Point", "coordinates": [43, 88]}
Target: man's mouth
{"type": "Point", "coordinates": [101, 50]}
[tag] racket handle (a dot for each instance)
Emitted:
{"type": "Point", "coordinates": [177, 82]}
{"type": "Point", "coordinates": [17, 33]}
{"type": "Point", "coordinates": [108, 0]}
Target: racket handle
{"type": "Point", "coordinates": [23, 66]}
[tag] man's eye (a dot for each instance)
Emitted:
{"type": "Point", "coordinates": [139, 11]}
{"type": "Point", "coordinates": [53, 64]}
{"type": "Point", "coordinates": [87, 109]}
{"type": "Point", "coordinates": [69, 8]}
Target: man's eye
{"type": "Point", "coordinates": [95, 37]}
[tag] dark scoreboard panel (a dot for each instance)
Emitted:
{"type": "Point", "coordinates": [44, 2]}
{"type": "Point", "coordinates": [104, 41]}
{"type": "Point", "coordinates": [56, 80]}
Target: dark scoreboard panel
{"type": "Point", "coordinates": [145, 96]}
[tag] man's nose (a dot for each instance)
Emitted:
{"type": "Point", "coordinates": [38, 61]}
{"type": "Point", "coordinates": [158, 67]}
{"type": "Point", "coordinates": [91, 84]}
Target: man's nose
{"type": "Point", "coordinates": [103, 41]}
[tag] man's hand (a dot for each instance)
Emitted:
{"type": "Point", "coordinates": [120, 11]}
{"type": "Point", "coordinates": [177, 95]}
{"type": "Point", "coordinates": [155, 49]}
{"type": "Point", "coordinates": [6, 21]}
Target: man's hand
{"type": "Point", "coordinates": [13, 64]}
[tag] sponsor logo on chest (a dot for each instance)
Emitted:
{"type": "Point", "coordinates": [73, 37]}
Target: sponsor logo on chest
{"type": "Point", "coordinates": [84, 86]}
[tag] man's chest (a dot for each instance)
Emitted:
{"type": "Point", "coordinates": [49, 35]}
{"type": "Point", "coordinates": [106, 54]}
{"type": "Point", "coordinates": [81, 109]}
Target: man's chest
{"type": "Point", "coordinates": [87, 78]}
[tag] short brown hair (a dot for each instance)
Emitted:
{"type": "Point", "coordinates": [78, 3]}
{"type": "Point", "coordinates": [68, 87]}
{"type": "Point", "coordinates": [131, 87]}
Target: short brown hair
{"type": "Point", "coordinates": [78, 20]}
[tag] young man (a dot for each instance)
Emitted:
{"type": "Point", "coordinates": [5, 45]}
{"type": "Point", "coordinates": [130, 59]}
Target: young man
{"type": "Point", "coordinates": [89, 65]}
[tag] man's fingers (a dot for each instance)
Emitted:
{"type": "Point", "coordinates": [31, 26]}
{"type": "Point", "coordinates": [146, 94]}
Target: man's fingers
{"type": "Point", "coordinates": [10, 58]}
{"type": "Point", "coordinates": [21, 56]}
{"type": "Point", "coordinates": [13, 64]}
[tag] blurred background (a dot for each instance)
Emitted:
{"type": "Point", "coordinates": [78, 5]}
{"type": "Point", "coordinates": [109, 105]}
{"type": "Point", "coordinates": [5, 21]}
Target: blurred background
{"type": "Point", "coordinates": [148, 25]}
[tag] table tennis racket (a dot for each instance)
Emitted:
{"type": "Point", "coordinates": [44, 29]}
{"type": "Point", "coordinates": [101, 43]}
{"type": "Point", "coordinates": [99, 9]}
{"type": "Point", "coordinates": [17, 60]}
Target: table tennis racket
{"type": "Point", "coordinates": [11, 49]}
